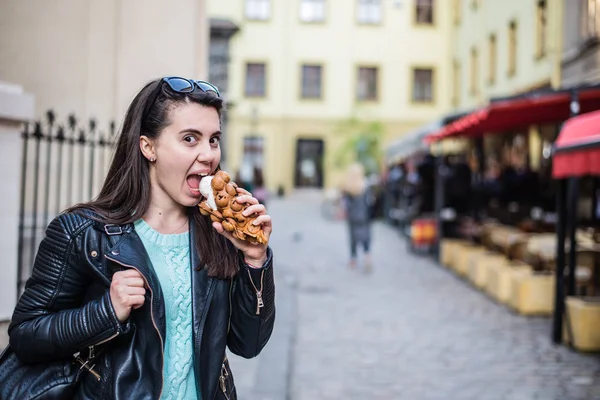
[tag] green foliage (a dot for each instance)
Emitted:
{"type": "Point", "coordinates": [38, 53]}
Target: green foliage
{"type": "Point", "coordinates": [360, 141]}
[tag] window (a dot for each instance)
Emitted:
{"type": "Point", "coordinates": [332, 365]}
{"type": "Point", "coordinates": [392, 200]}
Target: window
{"type": "Point", "coordinates": [512, 48]}
{"type": "Point", "coordinates": [255, 80]}
{"type": "Point", "coordinates": [312, 10]}
{"type": "Point", "coordinates": [492, 60]}
{"type": "Point", "coordinates": [541, 29]}
{"type": "Point", "coordinates": [422, 85]}
{"type": "Point", "coordinates": [253, 157]}
{"type": "Point", "coordinates": [311, 81]}
{"type": "Point", "coordinates": [369, 11]}
{"type": "Point", "coordinates": [456, 88]}
{"type": "Point", "coordinates": [456, 5]}
{"type": "Point", "coordinates": [474, 71]}
{"type": "Point", "coordinates": [424, 12]}
{"type": "Point", "coordinates": [366, 88]}
{"type": "Point", "coordinates": [259, 10]}
{"type": "Point", "coordinates": [590, 14]}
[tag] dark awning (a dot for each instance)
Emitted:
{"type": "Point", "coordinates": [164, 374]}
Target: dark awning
{"type": "Point", "coordinates": [506, 115]}
{"type": "Point", "coordinates": [577, 149]}
{"type": "Point", "coordinates": [412, 142]}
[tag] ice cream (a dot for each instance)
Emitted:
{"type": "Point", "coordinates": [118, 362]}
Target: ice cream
{"type": "Point", "coordinates": [220, 203]}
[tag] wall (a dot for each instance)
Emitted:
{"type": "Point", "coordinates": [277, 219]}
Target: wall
{"type": "Point", "coordinates": [90, 57]}
{"type": "Point", "coordinates": [477, 23]}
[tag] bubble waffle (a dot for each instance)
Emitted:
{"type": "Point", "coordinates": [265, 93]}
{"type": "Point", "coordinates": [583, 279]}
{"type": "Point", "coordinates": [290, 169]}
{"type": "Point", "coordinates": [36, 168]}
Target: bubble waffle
{"type": "Point", "coordinates": [220, 195]}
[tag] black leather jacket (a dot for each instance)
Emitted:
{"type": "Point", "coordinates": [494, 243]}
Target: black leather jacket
{"type": "Point", "coordinates": [74, 266]}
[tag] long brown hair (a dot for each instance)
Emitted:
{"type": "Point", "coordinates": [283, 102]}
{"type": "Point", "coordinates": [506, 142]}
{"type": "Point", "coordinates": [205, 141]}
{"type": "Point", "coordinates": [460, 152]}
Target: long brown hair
{"type": "Point", "coordinates": [125, 195]}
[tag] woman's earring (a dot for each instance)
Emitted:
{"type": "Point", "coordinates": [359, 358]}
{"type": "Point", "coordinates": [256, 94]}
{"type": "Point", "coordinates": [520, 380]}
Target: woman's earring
{"type": "Point", "coordinates": [152, 159]}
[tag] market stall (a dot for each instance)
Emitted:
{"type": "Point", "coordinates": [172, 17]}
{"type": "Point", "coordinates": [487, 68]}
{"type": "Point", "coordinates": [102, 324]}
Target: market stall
{"type": "Point", "coordinates": [576, 158]}
{"type": "Point", "coordinates": [409, 192]}
{"type": "Point", "coordinates": [503, 245]}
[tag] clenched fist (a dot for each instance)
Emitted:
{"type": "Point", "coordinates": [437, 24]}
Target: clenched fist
{"type": "Point", "coordinates": [126, 292]}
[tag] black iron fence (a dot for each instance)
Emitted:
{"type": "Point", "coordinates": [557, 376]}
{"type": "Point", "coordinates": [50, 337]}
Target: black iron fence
{"type": "Point", "coordinates": [62, 164]}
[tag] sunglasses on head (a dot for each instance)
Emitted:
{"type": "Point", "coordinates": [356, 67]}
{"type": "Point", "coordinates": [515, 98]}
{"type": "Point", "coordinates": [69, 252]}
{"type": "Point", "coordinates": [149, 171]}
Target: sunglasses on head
{"type": "Point", "coordinates": [183, 85]}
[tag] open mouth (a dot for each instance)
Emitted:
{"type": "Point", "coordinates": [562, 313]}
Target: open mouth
{"type": "Point", "coordinates": [193, 182]}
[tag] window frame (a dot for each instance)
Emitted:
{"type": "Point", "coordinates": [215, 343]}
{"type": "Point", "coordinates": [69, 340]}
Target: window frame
{"type": "Point", "coordinates": [457, 14]}
{"type": "Point", "coordinates": [512, 48]}
{"type": "Point", "coordinates": [360, 21]}
{"type": "Point", "coordinates": [474, 64]}
{"type": "Point", "coordinates": [416, 13]}
{"type": "Point", "coordinates": [456, 82]}
{"type": "Point", "coordinates": [492, 58]}
{"type": "Point", "coordinates": [312, 21]}
{"type": "Point", "coordinates": [321, 77]}
{"type": "Point", "coordinates": [265, 79]}
{"type": "Point", "coordinates": [256, 18]}
{"type": "Point", "coordinates": [413, 99]}
{"type": "Point", "coordinates": [541, 29]}
{"type": "Point", "coordinates": [377, 97]}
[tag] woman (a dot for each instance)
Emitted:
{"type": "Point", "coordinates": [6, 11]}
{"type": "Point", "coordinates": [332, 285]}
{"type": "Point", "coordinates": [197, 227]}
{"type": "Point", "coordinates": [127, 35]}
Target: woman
{"type": "Point", "coordinates": [138, 278]}
{"type": "Point", "coordinates": [358, 202]}
{"type": "Point", "coordinates": [259, 189]}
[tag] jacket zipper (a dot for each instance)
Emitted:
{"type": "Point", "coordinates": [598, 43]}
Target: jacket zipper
{"type": "Point", "coordinates": [259, 300]}
{"type": "Point", "coordinates": [104, 341]}
{"type": "Point", "coordinates": [153, 322]}
{"type": "Point", "coordinates": [222, 380]}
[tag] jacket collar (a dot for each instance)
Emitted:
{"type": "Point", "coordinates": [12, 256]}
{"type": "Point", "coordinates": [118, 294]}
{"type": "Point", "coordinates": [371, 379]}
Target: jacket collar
{"type": "Point", "coordinates": [129, 252]}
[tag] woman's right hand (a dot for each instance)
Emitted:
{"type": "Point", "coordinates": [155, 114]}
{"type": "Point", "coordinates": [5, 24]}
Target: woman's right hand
{"type": "Point", "coordinates": [126, 292]}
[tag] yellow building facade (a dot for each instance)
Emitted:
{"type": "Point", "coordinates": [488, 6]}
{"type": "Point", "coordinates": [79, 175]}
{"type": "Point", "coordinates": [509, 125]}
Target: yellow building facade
{"type": "Point", "coordinates": [299, 68]}
{"type": "Point", "coordinates": [502, 48]}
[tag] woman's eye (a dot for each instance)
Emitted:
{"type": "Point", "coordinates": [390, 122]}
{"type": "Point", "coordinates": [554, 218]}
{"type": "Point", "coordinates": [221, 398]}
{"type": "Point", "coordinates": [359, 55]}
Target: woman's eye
{"type": "Point", "coordinates": [215, 140]}
{"type": "Point", "coordinates": [190, 139]}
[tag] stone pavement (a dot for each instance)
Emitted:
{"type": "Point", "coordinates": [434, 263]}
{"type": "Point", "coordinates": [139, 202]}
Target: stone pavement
{"type": "Point", "coordinates": [410, 330]}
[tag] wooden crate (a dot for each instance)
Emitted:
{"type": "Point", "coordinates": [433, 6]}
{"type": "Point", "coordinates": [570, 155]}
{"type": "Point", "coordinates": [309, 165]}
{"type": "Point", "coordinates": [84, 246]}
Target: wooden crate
{"type": "Point", "coordinates": [463, 257]}
{"type": "Point", "coordinates": [532, 293]}
{"type": "Point", "coordinates": [480, 265]}
{"type": "Point", "coordinates": [498, 279]}
{"type": "Point", "coordinates": [583, 316]}
{"type": "Point", "coordinates": [448, 249]}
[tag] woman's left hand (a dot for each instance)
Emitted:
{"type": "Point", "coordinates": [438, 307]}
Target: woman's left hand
{"type": "Point", "coordinates": [255, 254]}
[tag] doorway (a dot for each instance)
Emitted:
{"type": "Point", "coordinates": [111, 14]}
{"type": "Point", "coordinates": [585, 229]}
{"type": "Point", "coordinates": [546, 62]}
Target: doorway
{"type": "Point", "coordinates": [309, 163]}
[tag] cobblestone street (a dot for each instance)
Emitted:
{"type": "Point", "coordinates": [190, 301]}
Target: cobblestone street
{"type": "Point", "coordinates": [410, 330]}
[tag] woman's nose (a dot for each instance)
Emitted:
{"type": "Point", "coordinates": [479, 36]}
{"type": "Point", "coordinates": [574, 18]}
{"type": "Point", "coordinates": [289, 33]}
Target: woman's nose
{"type": "Point", "coordinates": [205, 154]}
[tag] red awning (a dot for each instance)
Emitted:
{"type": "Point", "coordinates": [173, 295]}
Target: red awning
{"type": "Point", "coordinates": [577, 149]}
{"type": "Point", "coordinates": [517, 113]}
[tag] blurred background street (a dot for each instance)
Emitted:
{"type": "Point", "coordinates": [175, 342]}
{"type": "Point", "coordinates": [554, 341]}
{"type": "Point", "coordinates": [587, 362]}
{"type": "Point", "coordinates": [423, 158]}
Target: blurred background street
{"type": "Point", "coordinates": [473, 125]}
{"type": "Point", "coordinates": [408, 330]}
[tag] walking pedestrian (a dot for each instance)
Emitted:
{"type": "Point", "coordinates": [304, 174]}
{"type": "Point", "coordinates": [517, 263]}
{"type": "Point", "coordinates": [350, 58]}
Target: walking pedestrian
{"type": "Point", "coordinates": [358, 203]}
{"type": "Point", "coordinates": [260, 191]}
{"type": "Point", "coordinates": [143, 287]}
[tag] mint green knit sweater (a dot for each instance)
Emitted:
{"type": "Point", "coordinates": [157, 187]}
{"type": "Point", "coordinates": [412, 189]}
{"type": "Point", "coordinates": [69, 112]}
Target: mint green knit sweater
{"type": "Point", "coordinates": [170, 257]}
